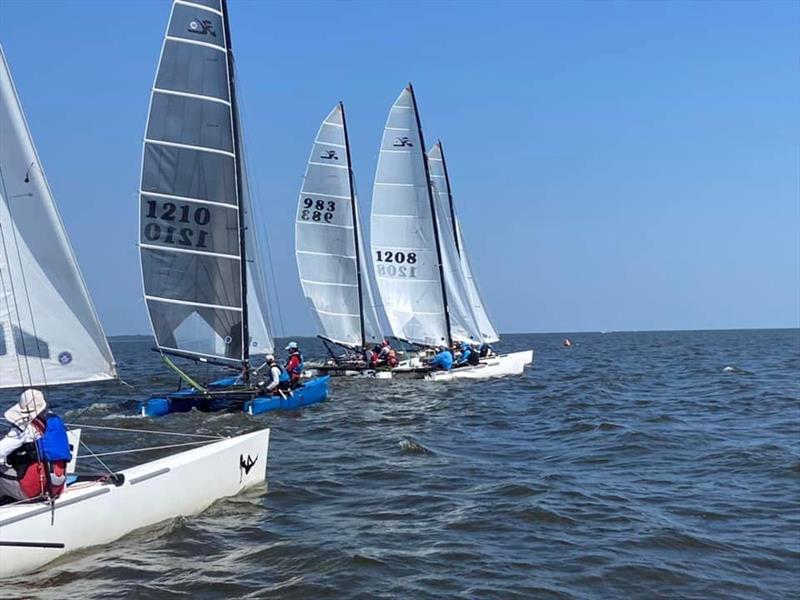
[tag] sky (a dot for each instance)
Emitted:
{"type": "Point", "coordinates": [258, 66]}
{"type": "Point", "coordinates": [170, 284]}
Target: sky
{"type": "Point", "coordinates": [616, 165]}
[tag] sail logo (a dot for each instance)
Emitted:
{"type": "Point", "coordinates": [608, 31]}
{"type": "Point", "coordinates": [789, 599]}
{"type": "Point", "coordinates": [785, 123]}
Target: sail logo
{"type": "Point", "coordinates": [202, 27]}
{"type": "Point", "coordinates": [329, 155]}
{"type": "Point", "coordinates": [65, 358]}
{"type": "Point", "coordinates": [402, 142]}
{"type": "Point", "coordinates": [245, 464]}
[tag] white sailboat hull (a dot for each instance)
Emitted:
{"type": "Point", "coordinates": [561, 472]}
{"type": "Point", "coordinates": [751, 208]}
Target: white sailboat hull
{"type": "Point", "coordinates": [495, 366]}
{"type": "Point", "coordinates": [94, 514]}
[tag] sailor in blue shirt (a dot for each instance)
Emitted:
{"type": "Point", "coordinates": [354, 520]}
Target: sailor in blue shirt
{"type": "Point", "coordinates": [443, 361]}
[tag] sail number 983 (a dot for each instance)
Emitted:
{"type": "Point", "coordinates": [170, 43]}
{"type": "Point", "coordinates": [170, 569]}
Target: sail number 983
{"type": "Point", "coordinates": [400, 263]}
{"type": "Point", "coordinates": [167, 233]}
{"type": "Point", "coordinates": [318, 210]}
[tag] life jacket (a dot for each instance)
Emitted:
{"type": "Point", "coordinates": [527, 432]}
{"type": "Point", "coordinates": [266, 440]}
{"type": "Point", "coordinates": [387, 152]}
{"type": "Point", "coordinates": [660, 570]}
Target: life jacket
{"type": "Point", "coordinates": [42, 465]}
{"type": "Point", "coordinates": [284, 377]}
{"type": "Point", "coordinates": [295, 366]}
{"type": "Point", "coordinates": [391, 358]}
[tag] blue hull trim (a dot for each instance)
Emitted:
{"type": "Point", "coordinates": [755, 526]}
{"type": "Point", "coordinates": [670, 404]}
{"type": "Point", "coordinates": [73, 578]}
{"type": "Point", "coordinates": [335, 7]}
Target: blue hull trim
{"type": "Point", "coordinates": [311, 392]}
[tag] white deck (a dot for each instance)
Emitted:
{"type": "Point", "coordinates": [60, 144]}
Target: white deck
{"type": "Point", "coordinates": [93, 514]}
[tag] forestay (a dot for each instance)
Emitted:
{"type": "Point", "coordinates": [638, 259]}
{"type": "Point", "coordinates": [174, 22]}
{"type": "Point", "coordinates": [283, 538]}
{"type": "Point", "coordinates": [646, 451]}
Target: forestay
{"type": "Point", "coordinates": [190, 204]}
{"type": "Point", "coordinates": [441, 180]}
{"type": "Point", "coordinates": [49, 332]}
{"type": "Point", "coordinates": [328, 244]}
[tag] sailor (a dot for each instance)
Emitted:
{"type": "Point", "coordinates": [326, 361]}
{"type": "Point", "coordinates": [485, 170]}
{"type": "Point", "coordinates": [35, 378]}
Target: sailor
{"type": "Point", "coordinates": [35, 452]}
{"type": "Point", "coordinates": [294, 366]}
{"type": "Point", "coordinates": [443, 361]}
{"type": "Point", "coordinates": [387, 354]}
{"type": "Point", "coordinates": [275, 376]}
{"type": "Point", "coordinates": [485, 349]}
{"type": "Point", "coordinates": [469, 356]}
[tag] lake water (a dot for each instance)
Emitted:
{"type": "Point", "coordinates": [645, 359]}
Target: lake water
{"type": "Point", "coordinates": [632, 465]}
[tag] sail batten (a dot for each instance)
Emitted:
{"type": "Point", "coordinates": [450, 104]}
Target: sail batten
{"type": "Point", "coordinates": [328, 247]}
{"type": "Point", "coordinates": [49, 330]}
{"type": "Point", "coordinates": [197, 228]}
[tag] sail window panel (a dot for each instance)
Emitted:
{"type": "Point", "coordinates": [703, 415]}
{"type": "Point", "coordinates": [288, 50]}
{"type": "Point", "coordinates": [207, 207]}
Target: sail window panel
{"type": "Point", "coordinates": [331, 134]}
{"type": "Point", "coordinates": [325, 180]}
{"type": "Point", "coordinates": [194, 329]}
{"type": "Point", "coordinates": [189, 173]}
{"type": "Point", "coordinates": [330, 154]}
{"type": "Point", "coordinates": [196, 25]}
{"type": "Point", "coordinates": [191, 277]}
{"type": "Point", "coordinates": [187, 225]}
{"type": "Point", "coordinates": [190, 121]}
{"type": "Point", "coordinates": [327, 240]}
{"type": "Point", "coordinates": [193, 69]}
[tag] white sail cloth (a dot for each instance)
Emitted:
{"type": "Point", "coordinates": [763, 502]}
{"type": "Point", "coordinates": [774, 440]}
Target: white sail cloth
{"type": "Point", "coordinates": [49, 332]}
{"type": "Point", "coordinates": [439, 176]}
{"type": "Point", "coordinates": [404, 241]}
{"type": "Point", "coordinates": [334, 276]}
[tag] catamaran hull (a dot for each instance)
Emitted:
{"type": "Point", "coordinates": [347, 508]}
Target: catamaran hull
{"type": "Point", "coordinates": [179, 485]}
{"type": "Point", "coordinates": [221, 398]}
{"type": "Point", "coordinates": [495, 366]}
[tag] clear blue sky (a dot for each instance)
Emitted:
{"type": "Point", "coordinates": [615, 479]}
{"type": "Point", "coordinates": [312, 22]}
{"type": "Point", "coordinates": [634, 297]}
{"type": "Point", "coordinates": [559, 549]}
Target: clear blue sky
{"type": "Point", "coordinates": [616, 165]}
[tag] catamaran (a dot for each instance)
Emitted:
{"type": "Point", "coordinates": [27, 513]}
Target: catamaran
{"type": "Point", "coordinates": [202, 270]}
{"type": "Point", "coordinates": [329, 246]}
{"type": "Point", "coordinates": [51, 336]}
{"type": "Point", "coordinates": [424, 279]}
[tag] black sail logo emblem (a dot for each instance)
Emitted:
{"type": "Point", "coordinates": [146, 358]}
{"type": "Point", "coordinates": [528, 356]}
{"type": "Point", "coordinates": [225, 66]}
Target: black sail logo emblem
{"type": "Point", "coordinates": [202, 27]}
{"type": "Point", "coordinates": [402, 141]}
{"type": "Point", "coordinates": [245, 464]}
{"type": "Point", "coordinates": [329, 155]}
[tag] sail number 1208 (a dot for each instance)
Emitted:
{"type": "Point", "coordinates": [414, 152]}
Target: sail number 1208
{"type": "Point", "coordinates": [398, 266]}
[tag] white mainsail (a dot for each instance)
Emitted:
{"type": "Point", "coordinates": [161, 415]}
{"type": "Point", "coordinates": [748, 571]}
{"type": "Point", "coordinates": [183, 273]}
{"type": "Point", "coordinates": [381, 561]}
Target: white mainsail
{"type": "Point", "coordinates": [50, 333]}
{"type": "Point", "coordinates": [441, 179]}
{"type": "Point", "coordinates": [416, 263]}
{"type": "Point", "coordinates": [328, 245]}
{"type": "Point", "coordinates": [194, 200]}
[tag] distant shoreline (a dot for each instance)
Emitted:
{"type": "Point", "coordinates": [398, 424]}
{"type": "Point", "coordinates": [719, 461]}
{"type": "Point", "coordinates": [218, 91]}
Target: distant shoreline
{"type": "Point", "coordinates": [135, 337]}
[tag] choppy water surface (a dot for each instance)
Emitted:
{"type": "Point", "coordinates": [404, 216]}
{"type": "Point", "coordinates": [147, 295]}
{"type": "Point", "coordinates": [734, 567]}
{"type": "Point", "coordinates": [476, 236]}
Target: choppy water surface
{"type": "Point", "coordinates": [632, 465]}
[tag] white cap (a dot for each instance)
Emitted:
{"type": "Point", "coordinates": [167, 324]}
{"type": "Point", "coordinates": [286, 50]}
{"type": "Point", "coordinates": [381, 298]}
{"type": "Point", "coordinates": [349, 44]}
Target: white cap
{"type": "Point", "coordinates": [269, 358]}
{"type": "Point", "coordinates": [31, 405]}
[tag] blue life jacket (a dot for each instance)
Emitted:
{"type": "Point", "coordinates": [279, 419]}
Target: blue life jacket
{"type": "Point", "coordinates": [443, 359]}
{"type": "Point", "coordinates": [54, 444]}
{"type": "Point", "coordinates": [284, 377]}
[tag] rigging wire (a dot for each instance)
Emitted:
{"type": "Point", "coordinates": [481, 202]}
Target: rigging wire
{"type": "Point", "coordinates": [153, 431]}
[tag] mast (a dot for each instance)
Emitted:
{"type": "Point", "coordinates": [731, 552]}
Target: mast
{"type": "Point", "coordinates": [239, 192]}
{"type": "Point", "coordinates": [433, 217]}
{"type": "Point", "coordinates": [355, 228]}
{"type": "Point", "coordinates": [450, 198]}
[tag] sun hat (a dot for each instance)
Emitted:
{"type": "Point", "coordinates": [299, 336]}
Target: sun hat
{"type": "Point", "coordinates": [31, 404]}
{"type": "Point", "coordinates": [270, 358]}
{"type": "Point", "coordinates": [291, 346]}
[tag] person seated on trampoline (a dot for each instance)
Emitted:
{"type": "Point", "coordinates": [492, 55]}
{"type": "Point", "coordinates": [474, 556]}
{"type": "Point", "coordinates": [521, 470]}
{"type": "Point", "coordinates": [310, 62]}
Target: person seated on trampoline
{"type": "Point", "coordinates": [35, 452]}
{"type": "Point", "coordinates": [485, 349]}
{"type": "Point", "coordinates": [277, 378]}
{"type": "Point", "coordinates": [443, 360]}
{"type": "Point", "coordinates": [469, 356]}
{"type": "Point", "coordinates": [294, 365]}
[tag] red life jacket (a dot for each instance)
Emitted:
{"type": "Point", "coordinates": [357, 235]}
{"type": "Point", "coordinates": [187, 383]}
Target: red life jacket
{"type": "Point", "coordinates": [38, 477]}
{"type": "Point", "coordinates": [295, 360]}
